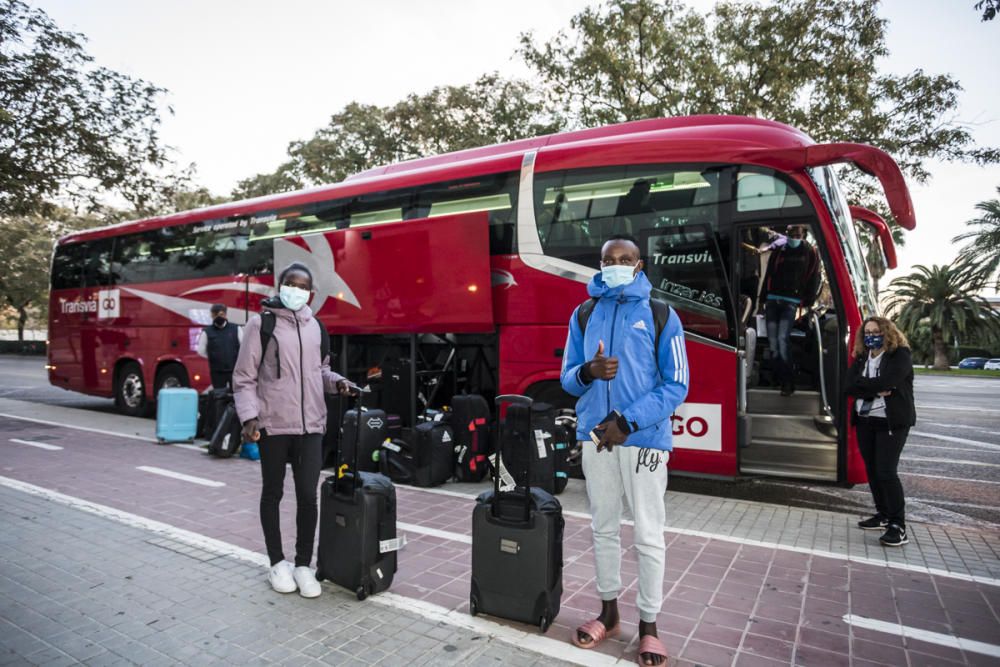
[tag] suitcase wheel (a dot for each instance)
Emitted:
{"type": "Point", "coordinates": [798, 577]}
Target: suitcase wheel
{"type": "Point", "coordinates": [361, 593]}
{"type": "Point", "coordinates": [473, 605]}
{"type": "Point", "coordinates": [544, 622]}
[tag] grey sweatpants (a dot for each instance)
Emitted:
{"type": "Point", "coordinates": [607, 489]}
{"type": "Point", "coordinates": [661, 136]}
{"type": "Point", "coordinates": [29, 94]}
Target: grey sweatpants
{"type": "Point", "coordinates": [641, 475]}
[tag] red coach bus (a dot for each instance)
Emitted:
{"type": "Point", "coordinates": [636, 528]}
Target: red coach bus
{"type": "Point", "coordinates": [468, 267]}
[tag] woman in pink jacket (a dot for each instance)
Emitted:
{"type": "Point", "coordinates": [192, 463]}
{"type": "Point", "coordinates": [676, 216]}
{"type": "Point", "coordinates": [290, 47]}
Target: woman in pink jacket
{"type": "Point", "coordinates": [279, 399]}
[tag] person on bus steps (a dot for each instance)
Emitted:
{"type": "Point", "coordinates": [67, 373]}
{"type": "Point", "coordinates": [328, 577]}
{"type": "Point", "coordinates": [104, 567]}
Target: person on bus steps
{"type": "Point", "coordinates": [279, 399]}
{"type": "Point", "coordinates": [791, 281]}
{"type": "Point", "coordinates": [881, 380]}
{"type": "Point", "coordinates": [219, 342]}
{"type": "Point", "coordinates": [628, 388]}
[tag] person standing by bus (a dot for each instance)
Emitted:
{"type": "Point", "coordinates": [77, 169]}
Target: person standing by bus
{"type": "Point", "coordinates": [881, 380]}
{"type": "Point", "coordinates": [219, 342]}
{"type": "Point", "coordinates": [791, 282]}
{"type": "Point", "coordinates": [628, 387]}
{"type": "Point", "coordinates": [279, 382]}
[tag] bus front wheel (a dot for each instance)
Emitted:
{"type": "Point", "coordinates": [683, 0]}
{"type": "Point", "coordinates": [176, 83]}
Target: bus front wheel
{"type": "Point", "coordinates": [130, 391]}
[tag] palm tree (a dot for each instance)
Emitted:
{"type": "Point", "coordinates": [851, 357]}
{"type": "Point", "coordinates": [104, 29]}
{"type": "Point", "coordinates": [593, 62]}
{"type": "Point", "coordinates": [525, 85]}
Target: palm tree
{"type": "Point", "coordinates": [946, 298]}
{"type": "Point", "coordinates": [985, 239]}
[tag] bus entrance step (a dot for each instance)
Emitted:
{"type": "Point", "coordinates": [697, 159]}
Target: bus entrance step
{"type": "Point", "coordinates": [790, 458]}
{"type": "Point", "coordinates": [770, 401]}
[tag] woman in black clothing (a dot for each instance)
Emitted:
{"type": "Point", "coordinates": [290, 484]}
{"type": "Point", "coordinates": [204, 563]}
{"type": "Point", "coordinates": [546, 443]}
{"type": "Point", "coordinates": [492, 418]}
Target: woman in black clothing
{"type": "Point", "coordinates": [881, 381]}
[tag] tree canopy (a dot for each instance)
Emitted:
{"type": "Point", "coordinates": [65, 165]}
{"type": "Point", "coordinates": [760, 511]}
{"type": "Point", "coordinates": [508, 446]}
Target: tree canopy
{"type": "Point", "coordinates": [983, 238]}
{"type": "Point", "coordinates": [448, 118]}
{"type": "Point", "coordinates": [70, 130]}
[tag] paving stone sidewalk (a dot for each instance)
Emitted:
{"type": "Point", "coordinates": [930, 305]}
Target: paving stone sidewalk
{"type": "Point", "coordinates": [78, 588]}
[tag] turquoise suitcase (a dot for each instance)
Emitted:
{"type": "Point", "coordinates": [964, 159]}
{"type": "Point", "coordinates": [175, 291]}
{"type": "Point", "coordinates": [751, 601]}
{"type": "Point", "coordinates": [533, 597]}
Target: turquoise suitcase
{"type": "Point", "coordinates": [176, 415]}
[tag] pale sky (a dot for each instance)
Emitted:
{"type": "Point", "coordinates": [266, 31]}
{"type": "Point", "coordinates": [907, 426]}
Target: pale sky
{"type": "Point", "coordinates": [247, 77]}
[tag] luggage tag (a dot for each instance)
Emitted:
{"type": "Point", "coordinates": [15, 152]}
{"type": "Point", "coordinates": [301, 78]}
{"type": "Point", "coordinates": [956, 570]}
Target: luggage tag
{"type": "Point", "coordinates": [506, 480]}
{"type": "Point", "coordinates": [540, 438]}
{"type": "Point", "coordinates": [390, 445]}
{"type": "Point", "coordinates": [395, 544]}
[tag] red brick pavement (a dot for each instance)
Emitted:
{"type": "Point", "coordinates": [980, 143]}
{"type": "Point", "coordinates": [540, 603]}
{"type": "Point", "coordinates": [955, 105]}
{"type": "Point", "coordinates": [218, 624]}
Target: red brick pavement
{"type": "Point", "coordinates": [726, 603]}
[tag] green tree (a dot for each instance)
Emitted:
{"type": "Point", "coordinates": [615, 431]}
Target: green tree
{"type": "Point", "coordinates": [447, 118]}
{"type": "Point", "coordinates": [989, 8]}
{"type": "Point", "coordinates": [946, 299]}
{"type": "Point", "coordinates": [25, 249]}
{"type": "Point", "coordinates": [69, 129]}
{"type": "Point", "coordinates": [813, 64]}
{"type": "Point", "coordinates": [984, 237]}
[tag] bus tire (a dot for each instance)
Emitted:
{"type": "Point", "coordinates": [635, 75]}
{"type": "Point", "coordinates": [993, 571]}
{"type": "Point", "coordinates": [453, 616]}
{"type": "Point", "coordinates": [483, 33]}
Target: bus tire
{"type": "Point", "coordinates": [170, 376]}
{"type": "Point", "coordinates": [130, 390]}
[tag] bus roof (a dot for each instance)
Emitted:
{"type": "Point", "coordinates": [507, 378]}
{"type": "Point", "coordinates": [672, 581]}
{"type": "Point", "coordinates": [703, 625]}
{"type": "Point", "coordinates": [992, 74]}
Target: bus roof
{"type": "Point", "coordinates": [469, 163]}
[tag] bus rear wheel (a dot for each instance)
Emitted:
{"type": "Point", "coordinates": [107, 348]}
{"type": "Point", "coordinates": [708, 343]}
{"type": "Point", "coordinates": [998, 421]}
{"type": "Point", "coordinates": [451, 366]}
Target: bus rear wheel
{"type": "Point", "coordinates": [130, 391]}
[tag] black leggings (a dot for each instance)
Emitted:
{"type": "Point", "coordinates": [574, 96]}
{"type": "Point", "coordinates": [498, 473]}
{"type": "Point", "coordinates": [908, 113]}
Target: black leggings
{"type": "Point", "coordinates": [880, 450]}
{"type": "Point", "coordinates": [305, 453]}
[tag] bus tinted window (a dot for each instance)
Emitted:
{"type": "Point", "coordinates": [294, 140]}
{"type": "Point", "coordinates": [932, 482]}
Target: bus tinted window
{"type": "Point", "coordinates": [67, 266]}
{"type": "Point", "coordinates": [672, 212]}
{"type": "Point", "coordinates": [176, 253]}
{"type": "Point", "coordinates": [97, 266]}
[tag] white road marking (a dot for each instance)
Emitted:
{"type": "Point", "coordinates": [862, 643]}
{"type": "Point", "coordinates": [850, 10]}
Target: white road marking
{"type": "Point", "coordinates": [942, 407]}
{"type": "Point", "coordinates": [548, 646]}
{"type": "Point", "coordinates": [433, 532]}
{"type": "Point", "coordinates": [961, 441]}
{"type": "Point", "coordinates": [968, 645]}
{"type": "Point", "coordinates": [949, 448]}
{"type": "Point", "coordinates": [937, 572]}
{"type": "Point", "coordinates": [181, 476]}
{"type": "Point", "coordinates": [949, 503]}
{"type": "Point", "coordinates": [969, 428]}
{"type": "Point", "coordinates": [963, 462]}
{"type": "Point", "coordinates": [40, 445]}
{"type": "Point", "coordinates": [950, 479]}
{"type": "Point", "coordinates": [130, 436]}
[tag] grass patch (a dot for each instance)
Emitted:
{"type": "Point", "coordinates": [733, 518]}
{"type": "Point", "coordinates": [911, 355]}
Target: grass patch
{"type": "Point", "coordinates": [965, 372]}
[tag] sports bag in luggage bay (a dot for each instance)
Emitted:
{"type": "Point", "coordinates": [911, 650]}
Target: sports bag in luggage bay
{"type": "Point", "coordinates": [434, 456]}
{"type": "Point", "coordinates": [470, 414]}
{"type": "Point", "coordinates": [517, 535]}
{"type": "Point", "coordinates": [357, 529]}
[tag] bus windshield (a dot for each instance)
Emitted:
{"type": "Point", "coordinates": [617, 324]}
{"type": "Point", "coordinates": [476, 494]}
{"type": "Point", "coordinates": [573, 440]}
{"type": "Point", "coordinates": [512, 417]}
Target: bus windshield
{"type": "Point", "coordinates": [833, 196]}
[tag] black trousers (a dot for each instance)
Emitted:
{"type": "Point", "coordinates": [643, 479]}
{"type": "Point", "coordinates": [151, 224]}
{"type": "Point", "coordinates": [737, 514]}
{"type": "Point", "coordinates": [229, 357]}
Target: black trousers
{"type": "Point", "coordinates": [305, 453]}
{"type": "Point", "coordinates": [880, 450]}
{"type": "Point", "coordinates": [221, 379]}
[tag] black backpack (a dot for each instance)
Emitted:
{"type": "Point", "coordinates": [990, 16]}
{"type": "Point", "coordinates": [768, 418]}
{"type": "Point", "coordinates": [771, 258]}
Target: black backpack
{"type": "Point", "coordinates": [267, 322]}
{"type": "Point", "coordinates": [661, 313]}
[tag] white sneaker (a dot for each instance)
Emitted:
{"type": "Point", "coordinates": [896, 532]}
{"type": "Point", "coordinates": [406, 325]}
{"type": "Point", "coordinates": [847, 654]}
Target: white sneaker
{"type": "Point", "coordinates": [280, 577]}
{"type": "Point", "coordinates": [306, 580]}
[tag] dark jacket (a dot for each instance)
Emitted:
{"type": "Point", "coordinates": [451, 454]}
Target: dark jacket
{"type": "Point", "coordinates": [895, 375]}
{"type": "Point", "coordinates": [223, 347]}
{"type": "Point", "coordinates": [793, 273]}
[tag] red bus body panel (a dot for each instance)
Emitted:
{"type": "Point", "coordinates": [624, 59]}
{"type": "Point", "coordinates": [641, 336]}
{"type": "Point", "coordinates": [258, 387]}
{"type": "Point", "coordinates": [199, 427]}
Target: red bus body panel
{"type": "Point", "coordinates": [881, 228]}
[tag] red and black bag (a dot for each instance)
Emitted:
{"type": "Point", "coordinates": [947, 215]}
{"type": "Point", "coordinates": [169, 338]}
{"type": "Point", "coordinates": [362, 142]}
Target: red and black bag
{"type": "Point", "coordinates": [469, 420]}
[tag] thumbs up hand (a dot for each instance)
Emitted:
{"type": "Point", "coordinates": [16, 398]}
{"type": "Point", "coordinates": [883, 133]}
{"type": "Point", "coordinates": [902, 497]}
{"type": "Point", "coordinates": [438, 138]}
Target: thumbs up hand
{"type": "Point", "coordinates": [601, 367]}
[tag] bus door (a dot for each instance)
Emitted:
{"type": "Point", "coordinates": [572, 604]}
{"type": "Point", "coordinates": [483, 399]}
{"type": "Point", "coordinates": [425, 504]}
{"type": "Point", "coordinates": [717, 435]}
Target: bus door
{"type": "Point", "coordinates": [784, 434]}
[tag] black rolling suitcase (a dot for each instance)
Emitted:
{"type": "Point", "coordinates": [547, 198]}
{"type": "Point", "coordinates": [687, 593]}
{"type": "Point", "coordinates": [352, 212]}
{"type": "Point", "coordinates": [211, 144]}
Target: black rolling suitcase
{"type": "Point", "coordinates": [530, 445]}
{"type": "Point", "coordinates": [369, 438]}
{"type": "Point", "coordinates": [357, 530]}
{"type": "Point", "coordinates": [434, 453]}
{"type": "Point", "coordinates": [516, 548]}
{"type": "Point", "coordinates": [227, 435]}
{"type": "Point", "coordinates": [470, 414]}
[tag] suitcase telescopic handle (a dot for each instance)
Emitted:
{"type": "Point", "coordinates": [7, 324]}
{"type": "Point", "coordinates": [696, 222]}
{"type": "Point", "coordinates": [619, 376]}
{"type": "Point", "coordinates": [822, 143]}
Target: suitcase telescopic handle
{"type": "Point", "coordinates": [527, 402]}
{"type": "Point", "coordinates": [358, 403]}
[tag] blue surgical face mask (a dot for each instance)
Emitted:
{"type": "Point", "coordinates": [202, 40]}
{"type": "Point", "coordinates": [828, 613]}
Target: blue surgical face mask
{"type": "Point", "coordinates": [794, 243]}
{"type": "Point", "coordinates": [293, 297]}
{"type": "Point", "coordinates": [617, 275]}
{"type": "Point", "coordinates": [874, 341]}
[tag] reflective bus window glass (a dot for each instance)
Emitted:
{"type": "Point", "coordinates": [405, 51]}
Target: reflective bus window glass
{"type": "Point", "coordinates": [67, 266]}
{"type": "Point", "coordinates": [763, 192]}
{"type": "Point", "coordinates": [136, 258]}
{"type": "Point", "coordinates": [673, 212]}
{"type": "Point", "coordinates": [97, 270]}
{"type": "Point", "coordinates": [495, 194]}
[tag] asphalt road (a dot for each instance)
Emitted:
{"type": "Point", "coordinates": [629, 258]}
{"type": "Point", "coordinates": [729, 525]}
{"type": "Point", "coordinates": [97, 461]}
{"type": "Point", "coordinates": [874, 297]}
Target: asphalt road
{"type": "Point", "coordinates": [950, 466]}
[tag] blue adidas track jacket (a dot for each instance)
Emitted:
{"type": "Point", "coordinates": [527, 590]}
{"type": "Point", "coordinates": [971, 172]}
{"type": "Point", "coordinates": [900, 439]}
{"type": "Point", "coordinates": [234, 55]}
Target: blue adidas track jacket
{"type": "Point", "coordinates": [648, 387]}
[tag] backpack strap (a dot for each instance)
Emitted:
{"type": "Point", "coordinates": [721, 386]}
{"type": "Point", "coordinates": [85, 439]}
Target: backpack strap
{"type": "Point", "coordinates": [584, 312]}
{"type": "Point", "coordinates": [324, 341]}
{"type": "Point", "coordinates": [267, 322]}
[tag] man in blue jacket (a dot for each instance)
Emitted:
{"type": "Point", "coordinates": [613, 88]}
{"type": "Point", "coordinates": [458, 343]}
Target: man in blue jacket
{"type": "Point", "coordinates": [629, 378]}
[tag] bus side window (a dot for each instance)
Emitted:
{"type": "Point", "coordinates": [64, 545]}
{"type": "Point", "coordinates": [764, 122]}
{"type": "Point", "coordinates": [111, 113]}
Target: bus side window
{"type": "Point", "coordinates": [97, 270]}
{"type": "Point", "coordinates": [67, 266]}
